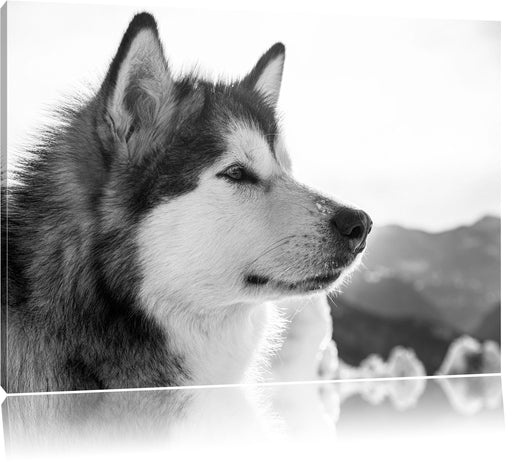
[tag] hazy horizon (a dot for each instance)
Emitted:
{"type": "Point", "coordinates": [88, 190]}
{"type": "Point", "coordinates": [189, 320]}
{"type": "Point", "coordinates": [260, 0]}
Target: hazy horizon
{"type": "Point", "coordinates": [437, 231]}
{"type": "Point", "coordinates": [400, 116]}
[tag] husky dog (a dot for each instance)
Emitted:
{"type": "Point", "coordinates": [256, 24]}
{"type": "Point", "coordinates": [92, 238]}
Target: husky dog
{"type": "Point", "coordinates": [148, 234]}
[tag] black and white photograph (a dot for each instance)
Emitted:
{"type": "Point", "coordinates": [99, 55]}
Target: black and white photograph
{"type": "Point", "coordinates": [247, 197]}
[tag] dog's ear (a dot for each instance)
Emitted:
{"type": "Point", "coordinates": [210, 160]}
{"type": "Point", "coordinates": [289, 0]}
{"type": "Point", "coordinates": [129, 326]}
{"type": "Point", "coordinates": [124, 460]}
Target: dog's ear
{"type": "Point", "coordinates": [266, 76]}
{"type": "Point", "coordinates": [137, 84]}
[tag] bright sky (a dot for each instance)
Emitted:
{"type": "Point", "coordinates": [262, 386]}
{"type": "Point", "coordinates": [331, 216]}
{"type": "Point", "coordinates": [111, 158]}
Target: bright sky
{"type": "Point", "coordinates": [399, 116]}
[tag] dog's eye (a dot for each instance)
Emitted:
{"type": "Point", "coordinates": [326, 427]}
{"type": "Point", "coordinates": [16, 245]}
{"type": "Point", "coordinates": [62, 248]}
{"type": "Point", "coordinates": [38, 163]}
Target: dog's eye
{"type": "Point", "coordinates": [238, 174]}
{"type": "Point", "coordinates": [235, 172]}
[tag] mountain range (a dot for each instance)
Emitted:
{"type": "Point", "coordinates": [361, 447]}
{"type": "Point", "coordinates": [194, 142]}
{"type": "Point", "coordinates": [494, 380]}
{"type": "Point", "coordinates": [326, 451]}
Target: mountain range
{"type": "Point", "coordinates": [451, 278]}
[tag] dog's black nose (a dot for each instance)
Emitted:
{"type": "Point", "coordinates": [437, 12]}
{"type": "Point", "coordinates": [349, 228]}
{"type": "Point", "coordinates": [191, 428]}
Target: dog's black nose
{"type": "Point", "coordinates": [353, 225]}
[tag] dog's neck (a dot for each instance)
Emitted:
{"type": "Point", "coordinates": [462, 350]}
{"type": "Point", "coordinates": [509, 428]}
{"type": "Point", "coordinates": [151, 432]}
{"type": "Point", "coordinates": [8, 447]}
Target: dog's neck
{"type": "Point", "coordinates": [232, 344]}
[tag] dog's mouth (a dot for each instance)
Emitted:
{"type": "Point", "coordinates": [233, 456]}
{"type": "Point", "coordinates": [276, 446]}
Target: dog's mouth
{"type": "Point", "coordinates": [318, 282]}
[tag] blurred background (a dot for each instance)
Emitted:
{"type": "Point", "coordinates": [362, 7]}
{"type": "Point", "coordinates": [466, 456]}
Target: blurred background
{"type": "Point", "coordinates": [425, 291]}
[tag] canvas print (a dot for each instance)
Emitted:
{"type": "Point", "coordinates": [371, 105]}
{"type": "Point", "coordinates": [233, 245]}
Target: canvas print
{"type": "Point", "coordinates": [247, 202]}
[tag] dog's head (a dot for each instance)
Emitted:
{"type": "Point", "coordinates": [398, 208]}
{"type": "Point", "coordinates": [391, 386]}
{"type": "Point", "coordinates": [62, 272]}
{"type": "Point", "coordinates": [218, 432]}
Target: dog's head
{"type": "Point", "coordinates": [203, 167]}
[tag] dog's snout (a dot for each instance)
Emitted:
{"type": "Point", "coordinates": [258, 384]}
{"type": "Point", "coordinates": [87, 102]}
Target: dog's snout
{"type": "Point", "coordinates": [353, 225]}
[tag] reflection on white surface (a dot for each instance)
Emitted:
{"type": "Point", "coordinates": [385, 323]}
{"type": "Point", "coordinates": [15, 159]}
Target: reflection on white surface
{"type": "Point", "coordinates": [165, 420]}
{"type": "Point", "coordinates": [473, 396]}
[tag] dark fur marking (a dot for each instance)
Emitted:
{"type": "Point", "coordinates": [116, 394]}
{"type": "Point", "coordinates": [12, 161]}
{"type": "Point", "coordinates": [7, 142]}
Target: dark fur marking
{"type": "Point", "coordinates": [83, 375]}
{"type": "Point", "coordinates": [139, 22]}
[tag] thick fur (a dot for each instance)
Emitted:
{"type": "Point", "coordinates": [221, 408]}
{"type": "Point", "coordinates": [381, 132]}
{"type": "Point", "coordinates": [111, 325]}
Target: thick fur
{"type": "Point", "coordinates": [135, 258]}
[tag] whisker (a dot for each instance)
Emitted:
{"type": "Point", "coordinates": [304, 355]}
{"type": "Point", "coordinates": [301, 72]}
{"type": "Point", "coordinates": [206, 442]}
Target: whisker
{"type": "Point", "coordinates": [273, 247]}
{"type": "Point", "coordinates": [329, 296]}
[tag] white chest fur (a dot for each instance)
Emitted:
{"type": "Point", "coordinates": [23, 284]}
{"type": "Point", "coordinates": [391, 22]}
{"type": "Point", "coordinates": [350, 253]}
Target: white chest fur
{"type": "Point", "coordinates": [221, 345]}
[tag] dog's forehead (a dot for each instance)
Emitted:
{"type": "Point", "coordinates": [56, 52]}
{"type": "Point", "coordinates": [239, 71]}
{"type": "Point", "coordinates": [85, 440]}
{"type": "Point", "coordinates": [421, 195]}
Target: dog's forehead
{"type": "Point", "coordinates": [248, 143]}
